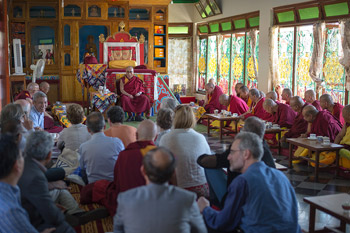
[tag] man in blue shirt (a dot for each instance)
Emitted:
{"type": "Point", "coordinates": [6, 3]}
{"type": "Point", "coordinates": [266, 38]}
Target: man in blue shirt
{"type": "Point", "coordinates": [37, 112]}
{"type": "Point", "coordinates": [13, 218]}
{"type": "Point", "coordinates": [261, 199]}
{"type": "Point", "coordinates": [99, 154]}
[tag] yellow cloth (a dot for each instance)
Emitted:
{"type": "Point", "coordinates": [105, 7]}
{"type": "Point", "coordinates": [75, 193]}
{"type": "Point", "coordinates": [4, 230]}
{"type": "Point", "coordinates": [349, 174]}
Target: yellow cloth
{"type": "Point", "coordinates": [198, 112]}
{"type": "Point", "coordinates": [104, 96]}
{"type": "Point", "coordinates": [232, 124]}
{"type": "Point", "coordinates": [346, 138]}
{"type": "Point", "coordinates": [324, 157]}
{"type": "Point", "coordinates": [121, 64]}
{"type": "Point", "coordinates": [249, 103]}
{"type": "Point", "coordinates": [344, 153]}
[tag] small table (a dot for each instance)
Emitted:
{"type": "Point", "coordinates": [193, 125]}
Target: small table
{"type": "Point", "coordinates": [222, 119]}
{"type": "Point", "coordinates": [103, 101]}
{"type": "Point", "coordinates": [313, 145]}
{"type": "Point", "coordinates": [330, 204]}
{"type": "Point", "coordinates": [278, 132]}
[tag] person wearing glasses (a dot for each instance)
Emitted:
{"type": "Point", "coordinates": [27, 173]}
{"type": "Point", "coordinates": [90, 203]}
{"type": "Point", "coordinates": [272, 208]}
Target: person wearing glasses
{"type": "Point", "coordinates": [261, 199]}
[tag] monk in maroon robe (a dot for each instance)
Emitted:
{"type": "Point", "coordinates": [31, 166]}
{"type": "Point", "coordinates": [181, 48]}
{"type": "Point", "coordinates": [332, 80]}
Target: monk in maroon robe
{"type": "Point", "coordinates": [286, 95]}
{"type": "Point", "coordinates": [32, 88]}
{"type": "Point", "coordinates": [283, 114]}
{"type": "Point", "coordinates": [213, 93]}
{"type": "Point", "coordinates": [234, 104]}
{"type": "Point", "coordinates": [127, 174]}
{"type": "Point", "coordinates": [299, 125]}
{"type": "Point", "coordinates": [323, 123]}
{"type": "Point", "coordinates": [310, 97]}
{"type": "Point", "coordinates": [257, 107]}
{"type": "Point", "coordinates": [326, 102]}
{"type": "Point", "coordinates": [133, 98]}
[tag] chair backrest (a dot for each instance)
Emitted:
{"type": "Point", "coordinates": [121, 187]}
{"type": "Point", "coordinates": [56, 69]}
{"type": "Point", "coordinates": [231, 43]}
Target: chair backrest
{"type": "Point", "coordinates": [217, 181]}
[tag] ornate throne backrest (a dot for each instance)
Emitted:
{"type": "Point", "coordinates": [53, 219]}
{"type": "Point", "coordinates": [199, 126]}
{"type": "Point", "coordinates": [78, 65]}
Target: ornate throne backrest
{"type": "Point", "coordinates": [122, 45]}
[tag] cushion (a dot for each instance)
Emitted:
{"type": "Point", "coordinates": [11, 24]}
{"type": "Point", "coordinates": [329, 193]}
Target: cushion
{"type": "Point", "coordinates": [121, 64]}
{"type": "Point", "coordinates": [127, 55]}
{"type": "Point", "coordinates": [116, 55]}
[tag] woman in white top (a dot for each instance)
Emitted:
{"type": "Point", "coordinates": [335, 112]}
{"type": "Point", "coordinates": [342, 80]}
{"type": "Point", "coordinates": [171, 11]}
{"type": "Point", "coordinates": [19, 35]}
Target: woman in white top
{"type": "Point", "coordinates": [187, 145]}
{"type": "Point", "coordinates": [77, 133]}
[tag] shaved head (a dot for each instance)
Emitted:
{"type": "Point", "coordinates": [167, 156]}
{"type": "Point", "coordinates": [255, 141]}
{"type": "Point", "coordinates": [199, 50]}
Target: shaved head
{"type": "Point", "coordinates": [271, 95]}
{"type": "Point", "coordinates": [255, 92]}
{"type": "Point", "coordinates": [238, 86]}
{"type": "Point", "coordinates": [212, 81]}
{"type": "Point", "coordinates": [243, 92]}
{"type": "Point", "coordinates": [224, 100]}
{"type": "Point", "coordinates": [209, 86]}
{"type": "Point", "coordinates": [296, 103]}
{"type": "Point", "coordinates": [32, 88]}
{"type": "Point", "coordinates": [270, 106]}
{"type": "Point", "coordinates": [44, 87]}
{"type": "Point", "coordinates": [346, 113]}
{"type": "Point", "coordinates": [326, 102]}
{"type": "Point", "coordinates": [25, 105]}
{"type": "Point", "coordinates": [310, 96]}
{"type": "Point", "coordinates": [146, 131]}
{"type": "Point", "coordinates": [286, 94]}
{"type": "Point", "coordinates": [309, 113]}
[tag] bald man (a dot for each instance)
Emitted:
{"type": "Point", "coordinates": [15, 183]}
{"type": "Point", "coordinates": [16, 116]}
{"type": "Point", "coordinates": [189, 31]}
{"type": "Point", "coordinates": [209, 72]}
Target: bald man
{"type": "Point", "coordinates": [32, 88]}
{"type": "Point", "coordinates": [343, 138]}
{"type": "Point", "coordinates": [237, 89]}
{"type": "Point", "coordinates": [299, 126]}
{"type": "Point", "coordinates": [271, 95]}
{"type": "Point", "coordinates": [310, 97]}
{"type": "Point", "coordinates": [244, 94]}
{"type": "Point", "coordinates": [322, 122]}
{"type": "Point", "coordinates": [286, 95]}
{"type": "Point", "coordinates": [283, 114]}
{"type": "Point", "coordinates": [127, 174]}
{"type": "Point", "coordinates": [234, 104]}
{"type": "Point", "coordinates": [257, 109]}
{"type": "Point", "coordinates": [213, 93]}
{"type": "Point", "coordinates": [326, 102]}
{"type": "Point", "coordinates": [44, 87]}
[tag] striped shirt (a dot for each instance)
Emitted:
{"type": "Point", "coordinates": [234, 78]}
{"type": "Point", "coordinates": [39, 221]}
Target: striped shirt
{"type": "Point", "coordinates": [13, 218]}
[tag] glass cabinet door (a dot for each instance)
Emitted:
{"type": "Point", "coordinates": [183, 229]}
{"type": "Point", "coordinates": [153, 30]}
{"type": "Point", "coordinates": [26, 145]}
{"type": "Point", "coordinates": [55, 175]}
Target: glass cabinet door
{"type": "Point", "coordinates": [43, 41]}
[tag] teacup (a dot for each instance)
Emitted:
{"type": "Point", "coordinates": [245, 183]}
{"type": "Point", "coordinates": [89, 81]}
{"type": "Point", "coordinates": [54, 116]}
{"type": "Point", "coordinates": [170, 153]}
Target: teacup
{"type": "Point", "coordinates": [313, 135]}
{"type": "Point", "coordinates": [275, 126]}
{"type": "Point", "coordinates": [235, 114]}
{"type": "Point", "coordinates": [216, 112]}
{"type": "Point", "coordinates": [326, 142]}
{"type": "Point", "coordinates": [191, 103]}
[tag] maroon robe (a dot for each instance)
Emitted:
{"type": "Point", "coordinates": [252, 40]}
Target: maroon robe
{"type": "Point", "coordinates": [214, 103]}
{"type": "Point", "coordinates": [237, 105]}
{"type": "Point", "coordinates": [299, 126]}
{"type": "Point", "coordinates": [284, 116]}
{"type": "Point", "coordinates": [260, 112]}
{"type": "Point", "coordinates": [337, 112]}
{"type": "Point", "coordinates": [127, 175]}
{"type": "Point", "coordinates": [138, 104]}
{"type": "Point", "coordinates": [325, 124]}
{"type": "Point", "coordinates": [317, 105]}
{"type": "Point", "coordinates": [23, 95]}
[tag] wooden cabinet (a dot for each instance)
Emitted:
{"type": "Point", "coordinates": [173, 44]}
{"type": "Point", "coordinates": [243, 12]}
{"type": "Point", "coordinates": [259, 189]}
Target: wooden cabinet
{"type": "Point", "coordinates": [62, 31]}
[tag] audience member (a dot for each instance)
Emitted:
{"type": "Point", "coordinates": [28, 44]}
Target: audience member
{"type": "Point", "coordinates": [187, 145]}
{"type": "Point", "coordinates": [158, 207]}
{"type": "Point", "coordinates": [72, 137]}
{"type": "Point", "coordinates": [213, 93]}
{"type": "Point", "coordinates": [44, 87]}
{"type": "Point", "coordinates": [98, 155]}
{"type": "Point", "coordinates": [283, 114]}
{"type": "Point", "coordinates": [13, 218]}
{"type": "Point", "coordinates": [25, 105]}
{"type": "Point", "coordinates": [32, 88]}
{"type": "Point", "coordinates": [169, 103]}
{"type": "Point", "coordinates": [286, 95]}
{"type": "Point", "coordinates": [254, 203]}
{"type": "Point", "coordinates": [310, 97]}
{"type": "Point", "coordinates": [234, 104]}
{"type": "Point", "coordinates": [127, 174]}
{"type": "Point", "coordinates": [133, 97]}
{"type": "Point", "coordinates": [116, 129]}
{"type": "Point", "coordinates": [326, 102]}
{"type": "Point", "coordinates": [165, 117]}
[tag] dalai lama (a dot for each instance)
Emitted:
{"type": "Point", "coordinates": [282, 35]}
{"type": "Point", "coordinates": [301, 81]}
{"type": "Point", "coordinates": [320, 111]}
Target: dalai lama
{"type": "Point", "coordinates": [133, 98]}
{"type": "Point", "coordinates": [213, 92]}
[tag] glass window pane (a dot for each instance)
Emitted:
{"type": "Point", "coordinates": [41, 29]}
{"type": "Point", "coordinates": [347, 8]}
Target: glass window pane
{"type": "Point", "coordinates": [285, 57]}
{"type": "Point", "coordinates": [214, 27]}
{"type": "Point", "coordinates": [254, 22]}
{"type": "Point", "coordinates": [42, 12]}
{"type": "Point", "coordinates": [67, 61]}
{"type": "Point", "coordinates": [116, 12]}
{"type": "Point", "coordinates": [305, 42]}
{"type": "Point", "coordinates": [333, 71]}
{"type": "Point", "coordinates": [139, 14]}
{"type": "Point", "coordinates": [178, 30]}
{"type": "Point", "coordinates": [72, 11]}
{"type": "Point", "coordinates": [212, 67]}
{"type": "Point", "coordinates": [226, 26]}
{"type": "Point", "coordinates": [239, 23]}
{"type": "Point", "coordinates": [17, 12]}
{"type": "Point", "coordinates": [237, 63]}
{"type": "Point", "coordinates": [251, 80]}
{"type": "Point", "coordinates": [203, 29]}
{"type": "Point", "coordinates": [202, 63]}
{"type": "Point", "coordinates": [224, 62]}
{"type": "Point", "coordinates": [66, 35]}
{"type": "Point", "coordinates": [287, 16]}
{"type": "Point", "coordinates": [336, 9]}
{"type": "Point", "coordinates": [42, 43]}
{"type": "Point", "coordinates": [309, 13]}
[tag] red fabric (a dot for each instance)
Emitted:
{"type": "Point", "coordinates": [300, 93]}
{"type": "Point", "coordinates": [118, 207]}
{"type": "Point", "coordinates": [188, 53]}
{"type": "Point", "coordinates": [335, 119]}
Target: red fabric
{"type": "Point", "coordinates": [317, 105]}
{"type": "Point", "coordinates": [337, 112]}
{"type": "Point", "coordinates": [214, 101]}
{"type": "Point", "coordinates": [127, 175]}
{"type": "Point", "coordinates": [284, 116]}
{"type": "Point", "coordinates": [90, 60]}
{"type": "Point", "coordinates": [49, 125]}
{"type": "Point", "coordinates": [326, 125]}
{"type": "Point", "coordinates": [260, 112]}
{"type": "Point", "coordinates": [238, 105]}
{"type": "Point", "coordinates": [299, 126]}
{"type": "Point", "coordinates": [136, 71]}
{"type": "Point", "coordinates": [138, 104]}
{"type": "Point", "coordinates": [23, 95]}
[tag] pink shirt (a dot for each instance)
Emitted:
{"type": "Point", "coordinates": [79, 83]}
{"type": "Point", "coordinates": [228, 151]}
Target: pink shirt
{"type": "Point", "coordinates": [125, 133]}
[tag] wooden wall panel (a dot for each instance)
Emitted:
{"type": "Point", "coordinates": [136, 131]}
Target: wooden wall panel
{"type": "Point", "coordinates": [4, 77]}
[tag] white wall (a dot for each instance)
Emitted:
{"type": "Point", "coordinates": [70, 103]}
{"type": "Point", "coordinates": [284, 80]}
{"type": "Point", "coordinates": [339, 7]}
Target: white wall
{"type": "Point", "coordinates": [181, 13]}
{"type": "Point", "coordinates": [238, 7]}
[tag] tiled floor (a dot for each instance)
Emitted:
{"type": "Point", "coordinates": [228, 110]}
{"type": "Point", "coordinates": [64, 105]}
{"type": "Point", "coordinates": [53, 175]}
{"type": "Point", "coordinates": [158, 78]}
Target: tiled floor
{"type": "Point", "coordinates": [301, 177]}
